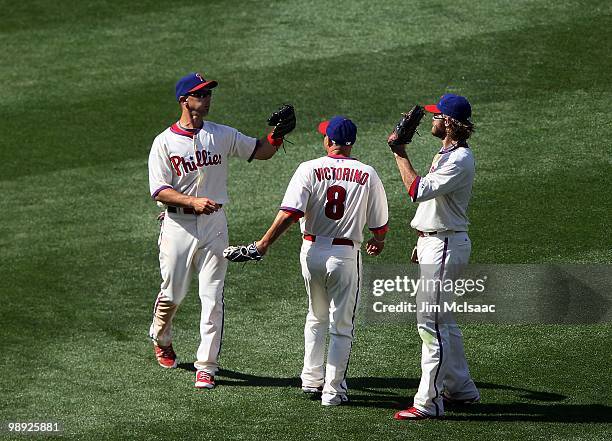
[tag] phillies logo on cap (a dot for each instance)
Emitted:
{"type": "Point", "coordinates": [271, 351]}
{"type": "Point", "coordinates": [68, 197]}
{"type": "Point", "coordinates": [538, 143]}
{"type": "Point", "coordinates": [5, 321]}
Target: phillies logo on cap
{"type": "Point", "coordinates": [199, 76]}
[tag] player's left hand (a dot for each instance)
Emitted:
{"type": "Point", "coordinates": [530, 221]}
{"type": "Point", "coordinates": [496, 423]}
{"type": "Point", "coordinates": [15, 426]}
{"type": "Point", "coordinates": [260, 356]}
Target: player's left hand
{"type": "Point", "coordinates": [374, 247]}
{"type": "Point", "coordinates": [283, 120]}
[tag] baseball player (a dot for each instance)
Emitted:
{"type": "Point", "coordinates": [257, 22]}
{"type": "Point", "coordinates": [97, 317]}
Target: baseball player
{"type": "Point", "coordinates": [443, 250]}
{"type": "Point", "coordinates": [334, 197]}
{"type": "Point", "coordinates": [188, 167]}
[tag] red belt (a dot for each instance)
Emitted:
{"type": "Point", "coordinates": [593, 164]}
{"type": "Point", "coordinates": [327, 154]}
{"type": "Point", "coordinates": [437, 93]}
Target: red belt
{"type": "Point", "coordinates": [337, 241]}
{"type": "Point", "coordinates": [186, 210]}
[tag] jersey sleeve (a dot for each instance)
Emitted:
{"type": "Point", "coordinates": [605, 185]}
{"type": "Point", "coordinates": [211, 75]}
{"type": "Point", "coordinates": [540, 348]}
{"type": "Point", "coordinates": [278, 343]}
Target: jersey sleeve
{"type": "Point", "coordinates": [297, 194]}
{"type": "Point", "coordinates": [242, 146]}
{"type": "Point", "coordinates": [377, 216]}
{"type": "Point", "coordinates": [160, 171]}
{"type": "Point", "coordinates": [444, 180]}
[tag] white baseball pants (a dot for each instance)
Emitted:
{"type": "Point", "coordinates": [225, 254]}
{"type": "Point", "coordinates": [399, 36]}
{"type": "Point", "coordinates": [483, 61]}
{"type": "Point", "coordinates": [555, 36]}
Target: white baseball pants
{"type": "Point", "coordinates": [332, 275]}
{"type": "Point", "coordinates": [191, 244]}
{"type": "Point", "coordinates": [443, 364]}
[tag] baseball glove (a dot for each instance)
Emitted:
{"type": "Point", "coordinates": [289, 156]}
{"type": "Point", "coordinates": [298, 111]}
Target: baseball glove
{"type": "Point", "coordinates": [283, 121]}
{"type": "Point", "coordinates": [242, 253]}
{"type": "Point", "coordinates": [406, 127]}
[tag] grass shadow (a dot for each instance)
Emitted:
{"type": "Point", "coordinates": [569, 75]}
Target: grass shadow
{"type": "Point", "coordinates": [532, 412]}
{"type": "Point", "coordinates": [375, 392]}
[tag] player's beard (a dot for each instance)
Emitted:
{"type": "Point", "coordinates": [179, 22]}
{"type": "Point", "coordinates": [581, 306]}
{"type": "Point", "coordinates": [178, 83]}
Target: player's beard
{"type": "Point", "coordinates": [438, 130]}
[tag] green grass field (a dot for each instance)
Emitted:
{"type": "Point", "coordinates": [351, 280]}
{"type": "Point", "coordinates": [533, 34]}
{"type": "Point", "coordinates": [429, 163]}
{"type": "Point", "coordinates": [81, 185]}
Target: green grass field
{"type": "Point", "coordinates": [86, 86]}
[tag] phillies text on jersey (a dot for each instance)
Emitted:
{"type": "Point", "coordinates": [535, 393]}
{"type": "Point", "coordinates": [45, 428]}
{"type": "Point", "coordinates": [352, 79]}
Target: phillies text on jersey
{"type": "Point", "coordinates": [194, 162]}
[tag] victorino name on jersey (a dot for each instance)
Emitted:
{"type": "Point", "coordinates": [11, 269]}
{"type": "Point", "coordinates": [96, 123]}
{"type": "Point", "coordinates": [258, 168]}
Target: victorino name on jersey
{"type": "Point", "coordinates": [203, 159]}
{"type": "Point", "coordinates": [341, 174]}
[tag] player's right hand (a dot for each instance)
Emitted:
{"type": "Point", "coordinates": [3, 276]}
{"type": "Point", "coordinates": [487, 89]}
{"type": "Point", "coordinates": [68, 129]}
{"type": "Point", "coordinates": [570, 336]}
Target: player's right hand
{"type": "Point", "coordinates": [374, 247]}
{"type": "Point", "coordinates": [204, 205]}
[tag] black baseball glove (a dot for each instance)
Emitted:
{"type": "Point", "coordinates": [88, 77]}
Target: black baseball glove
{"type": "Point", "coordinates": [283, 121]}
{"type": "Point", "coordinates": [242, 253]}
{"type": "Point", "coordinates": [406, 127]}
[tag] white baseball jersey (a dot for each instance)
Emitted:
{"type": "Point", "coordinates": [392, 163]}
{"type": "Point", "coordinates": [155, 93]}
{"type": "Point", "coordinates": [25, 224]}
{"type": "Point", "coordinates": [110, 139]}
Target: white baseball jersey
{"type": "Point", "coordinates": [444, 193]}
{"type": "Point", "coordinates": [336, 196]}
{"type": "Point", "coordinates": [178, 159]}
{"type": "Point", "coordinates": [194, 162]}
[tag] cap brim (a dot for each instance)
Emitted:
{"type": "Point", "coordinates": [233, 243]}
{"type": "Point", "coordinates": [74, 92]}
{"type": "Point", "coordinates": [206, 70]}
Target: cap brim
{"type": "Point", "coordinates": [432, 108]}
{"type": "Point", "coordinates": [323, 127]}
{"type": "Point", "coordinates": [207, 84]}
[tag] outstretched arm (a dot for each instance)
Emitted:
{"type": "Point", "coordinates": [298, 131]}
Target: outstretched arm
{"type": "Point", "coordinates": [282, 222]}
{"type": "Point", "coordinates": [283, 121]}
{"type": "Point", "coordinates": [264, 149]}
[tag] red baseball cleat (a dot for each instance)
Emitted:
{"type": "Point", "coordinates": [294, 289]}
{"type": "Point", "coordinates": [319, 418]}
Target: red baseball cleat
{"type": "Point", "coordinates": [166, 357]}
{"type": "Point", "coordinates": [204, 380]}
{"type": "Point", "coordinates": [412, 413]}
